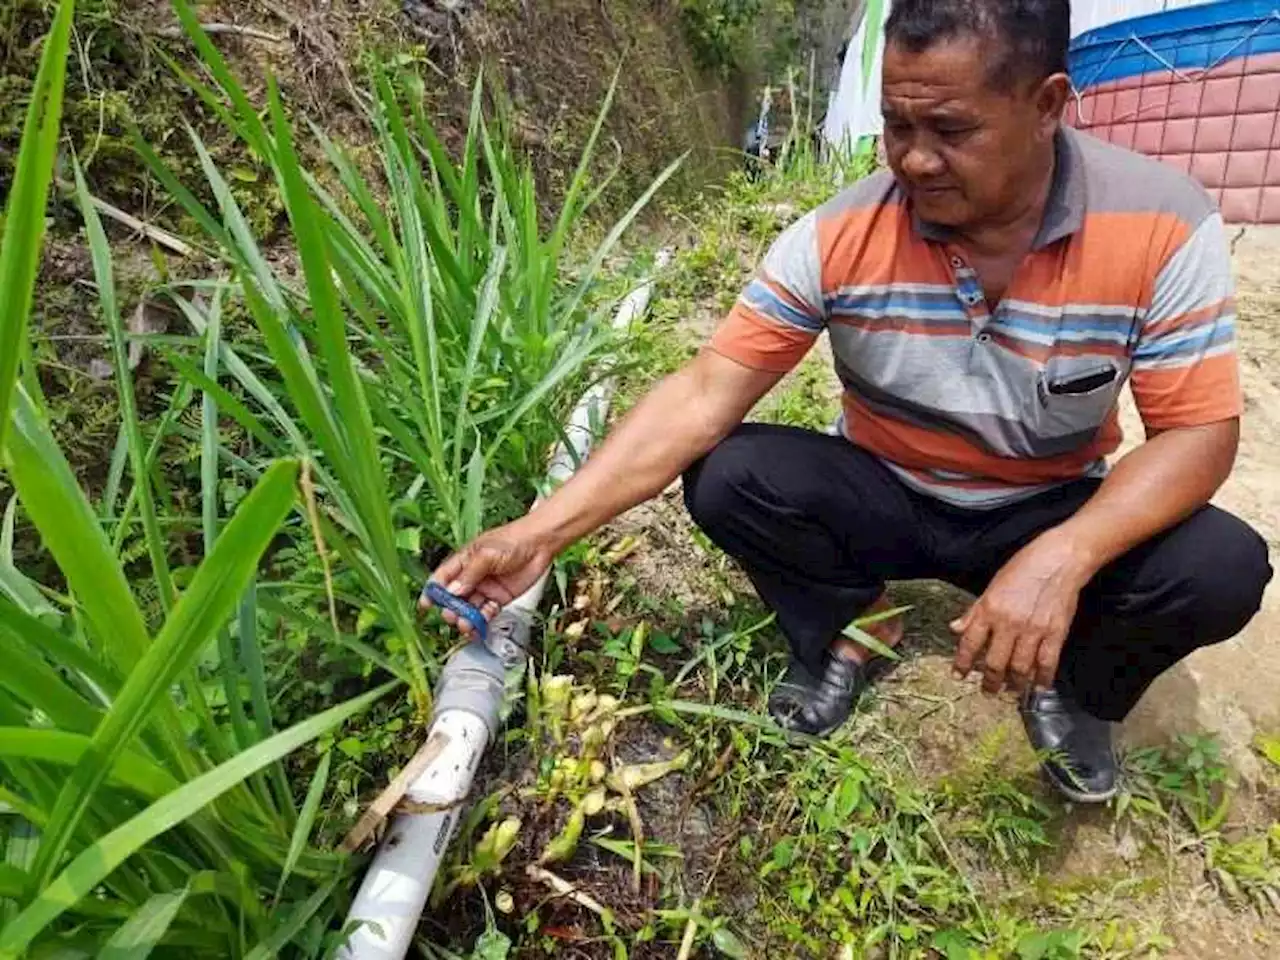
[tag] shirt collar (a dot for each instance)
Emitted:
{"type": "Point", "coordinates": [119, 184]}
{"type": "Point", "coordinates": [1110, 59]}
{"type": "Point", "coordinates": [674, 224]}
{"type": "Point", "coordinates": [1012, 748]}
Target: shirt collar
{"type": "Point", "coordinates": [1063, 211]}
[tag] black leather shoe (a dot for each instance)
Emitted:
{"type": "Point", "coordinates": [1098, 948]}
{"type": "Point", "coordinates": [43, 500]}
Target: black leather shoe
{"type": "Point", "coordinates": [819, 705]}
{"type": "Point", "coordinates": [1075, 747]}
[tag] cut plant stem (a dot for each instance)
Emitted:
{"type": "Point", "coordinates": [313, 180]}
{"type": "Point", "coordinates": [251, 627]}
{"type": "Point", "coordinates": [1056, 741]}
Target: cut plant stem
{"type": "Point", "coordinates": [564, 888]}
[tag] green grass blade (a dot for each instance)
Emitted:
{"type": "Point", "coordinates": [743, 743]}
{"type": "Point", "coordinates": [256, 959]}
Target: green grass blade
{"type": "Point", "coordinates": [20, 589]}
{"type": "Point", "coordinates": [569, 363]}
{"type": "Point", "coordinates": [209, 427]}
{"type": "Point", "coordinates": [485, 307]}
{"type": "Point", "coordinates": [104, 274]}
{"type": "Point", "coordinates": [24, 217]}
{"type": "Point", "coordinates": [69, 528]}
{"type": "Point", "coordinates": [361, 468]}
{"type": "Point", "coordinates": [227, 403]}
{"type": "Point", "coordinates": [241, 729]}
{"type": "Point", "coordinates": [168, 422]}
{"type": "Point", "coordinates": [66, 653]}
{"type": "Point", "coordinates": [294, 921]}
{"type": "Point", "coordinates": [23, 808]}
{"type": "Point", "coordinates": [115, 473]}
{"type": "Point", "coordinates": [473, 505]}
{"type": "Point", "coordinates": [203, 609]}
{"type": "Point", "coordinates": [66, 749]}
{"type": "Point", "coordinates": [251, 662]}
{"type": "Point", "coordinates": [92, 865]}
{"type": "Point", "coordinates": [13, 882]}
{"type": "Point", "coordinates": [615, 234]}
{"type": "Point", "coordinates": [306, 820]}
{"type": "Point", "coordinates": [249, 125]}
{"type": "Point", "coordinates": [242, 243]}
{"type": "Point", "coordinates": [855, 633]}
{"type": "Point", "coordinates": [570, 210]}
{"type": "Point", "coordinates": [145, 929]}
{"type": "Point", "coordinates": [30, 678]}
{"type": "Point", "coordinates": [185, 198]}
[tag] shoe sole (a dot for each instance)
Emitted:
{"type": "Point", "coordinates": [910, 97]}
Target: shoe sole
{"type": "Point", "coordinates": [1075, 795]}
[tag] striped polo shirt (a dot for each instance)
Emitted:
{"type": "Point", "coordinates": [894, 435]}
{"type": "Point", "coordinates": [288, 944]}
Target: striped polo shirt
{"type": "Point", "coordinates": [1129, 278]}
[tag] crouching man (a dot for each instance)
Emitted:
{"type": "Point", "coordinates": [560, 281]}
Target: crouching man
{"type": "Point", "coordinates": [986, 299]}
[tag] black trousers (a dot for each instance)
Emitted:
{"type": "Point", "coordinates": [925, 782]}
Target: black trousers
{"type": "Point", "coordinates": [819, 526]}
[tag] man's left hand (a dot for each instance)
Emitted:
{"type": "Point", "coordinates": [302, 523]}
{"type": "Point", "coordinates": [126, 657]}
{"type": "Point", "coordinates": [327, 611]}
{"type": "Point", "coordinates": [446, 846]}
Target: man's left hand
{"type": "Point", "coordinates": [1020, 623]}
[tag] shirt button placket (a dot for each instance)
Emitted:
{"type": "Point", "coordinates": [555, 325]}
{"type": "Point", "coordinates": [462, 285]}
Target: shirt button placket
{"type": "Point", "coordinates": [972, 296]}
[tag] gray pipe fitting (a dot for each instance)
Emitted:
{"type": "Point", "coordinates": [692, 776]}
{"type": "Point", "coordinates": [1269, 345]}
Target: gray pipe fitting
{"type": "Point", "coordinates": [474, 681]}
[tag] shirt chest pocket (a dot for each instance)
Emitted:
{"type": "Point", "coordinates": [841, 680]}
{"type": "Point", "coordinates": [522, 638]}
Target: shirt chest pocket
{"type": "Point", "coordinates": [1072, 398]}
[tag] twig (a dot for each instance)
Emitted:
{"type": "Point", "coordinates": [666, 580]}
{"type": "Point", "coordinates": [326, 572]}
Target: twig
{"type": "Point", "coordinates": [715, 773]}
{"type": "Point", "coordinates": [567, 890]}
{"type": "Point", "coordinates": [381, 808]}
{"type": "Point", "coordinates": [690, 931]}
{"type": "Point", "coordinates": [214, 29]}
{"type": "Point", "coordinates": [309, 494]}
{"type": "Point", "coordinates": [637, 828]}
{"type": "Point", "coordinates": [162, 237]}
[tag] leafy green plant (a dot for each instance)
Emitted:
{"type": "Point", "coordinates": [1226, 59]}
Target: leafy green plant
{"type": "Point", "coordinates": [1189, 777]}
{"type": "Point", "coordinates": [1269, 747]}
{"type": "Point", "coordinates": [809, 398]}
{"type": "Point", "coordinates": [717, 30]}
{"type": "Point", "coordinates": [426, 360]}
{"type": "Point", "coordinates": [992, 810]}
{"type": "Point", "coordinates": [1247, 870]}
{"type": "Point", "coordinates": [153, 825]}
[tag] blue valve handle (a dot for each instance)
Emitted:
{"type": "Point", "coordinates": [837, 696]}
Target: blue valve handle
{"type": "Point", "coordinates": [442, 598]}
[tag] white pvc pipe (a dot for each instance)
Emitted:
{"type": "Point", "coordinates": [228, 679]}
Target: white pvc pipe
{"type": "Point", "coordinates": [399, 880]}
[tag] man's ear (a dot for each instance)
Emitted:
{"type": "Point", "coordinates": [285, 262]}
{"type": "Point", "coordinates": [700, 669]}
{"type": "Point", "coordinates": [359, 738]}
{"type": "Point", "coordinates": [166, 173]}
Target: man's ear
{"type": "Point", "coordinates": [1051, 100]}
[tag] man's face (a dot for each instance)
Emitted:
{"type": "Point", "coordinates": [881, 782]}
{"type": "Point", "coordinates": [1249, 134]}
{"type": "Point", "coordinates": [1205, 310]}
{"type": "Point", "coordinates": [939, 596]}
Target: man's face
{"type": "Point", "coordinates": [964, 150]}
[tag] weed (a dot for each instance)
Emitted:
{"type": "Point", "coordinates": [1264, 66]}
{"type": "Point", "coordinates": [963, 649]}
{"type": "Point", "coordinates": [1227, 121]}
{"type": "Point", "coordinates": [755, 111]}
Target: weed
{"type": "Point", "coordinates": [808, 398]}
{"type": "Point", "coordinates": [1188, 778]}
{"type": "Point", "coordinates": [992, 812]}
{"type": "Point", "coordinates": [718, 30]}
{"type": "Point", "coordinates": [1247, 871]}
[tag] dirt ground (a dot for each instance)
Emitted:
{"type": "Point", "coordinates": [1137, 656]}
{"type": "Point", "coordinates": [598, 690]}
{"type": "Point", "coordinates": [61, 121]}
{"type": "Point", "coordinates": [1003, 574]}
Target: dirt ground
{"type": "Point", "coordinates": [1233, 689]}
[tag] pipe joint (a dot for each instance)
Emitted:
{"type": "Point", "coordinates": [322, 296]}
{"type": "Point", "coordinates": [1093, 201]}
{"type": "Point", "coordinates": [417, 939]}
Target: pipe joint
{"type": "Point", "coordinates": [473, 681]}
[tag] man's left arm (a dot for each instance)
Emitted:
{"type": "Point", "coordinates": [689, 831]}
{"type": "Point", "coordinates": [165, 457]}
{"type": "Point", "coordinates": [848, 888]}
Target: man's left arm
{"type": "Point", "coordinates": [1186, 383]}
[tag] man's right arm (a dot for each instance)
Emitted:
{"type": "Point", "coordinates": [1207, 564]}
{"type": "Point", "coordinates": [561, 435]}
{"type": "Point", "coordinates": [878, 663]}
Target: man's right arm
{"type": "Point", "coordinates": [774, 323]}
{"type": "Point", "coordinates": [677, 422]}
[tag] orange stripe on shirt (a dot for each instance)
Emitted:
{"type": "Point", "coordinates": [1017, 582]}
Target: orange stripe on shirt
{"type": "Point", "coordinates": [1112, 261]}
{"type": "Point", "coordinates": [1207, 391]}
{"type": "Point", "coordinates": [914, 447]}
{"type": "Point", "coordinates": [755, 341]}
{"type": "Point", "coordinates": [877, 246]}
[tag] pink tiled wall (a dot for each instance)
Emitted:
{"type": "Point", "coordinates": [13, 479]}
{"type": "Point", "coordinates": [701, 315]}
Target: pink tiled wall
{"type": "Point", "coordinates": [1222, 126]}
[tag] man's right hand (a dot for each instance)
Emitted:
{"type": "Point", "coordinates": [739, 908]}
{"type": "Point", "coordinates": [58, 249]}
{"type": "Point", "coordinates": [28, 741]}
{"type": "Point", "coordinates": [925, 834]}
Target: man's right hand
{"type": "Point", "coordinates": [492, 570]}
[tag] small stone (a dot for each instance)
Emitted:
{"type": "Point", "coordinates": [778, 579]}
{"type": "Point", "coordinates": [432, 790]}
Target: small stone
{"type": "Point", "coordinates": [1127, 847]}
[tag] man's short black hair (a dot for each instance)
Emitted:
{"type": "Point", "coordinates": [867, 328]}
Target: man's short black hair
{"type": "Point", "coordinates": [1030, 36]}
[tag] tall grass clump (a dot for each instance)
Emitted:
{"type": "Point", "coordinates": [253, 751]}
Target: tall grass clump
{"type": "Point", "coordinates": [426, 354]}
{"type": "Point", "coordinates": [807, 170]}
{"type": "Point", "coordinates": [129, 817]}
